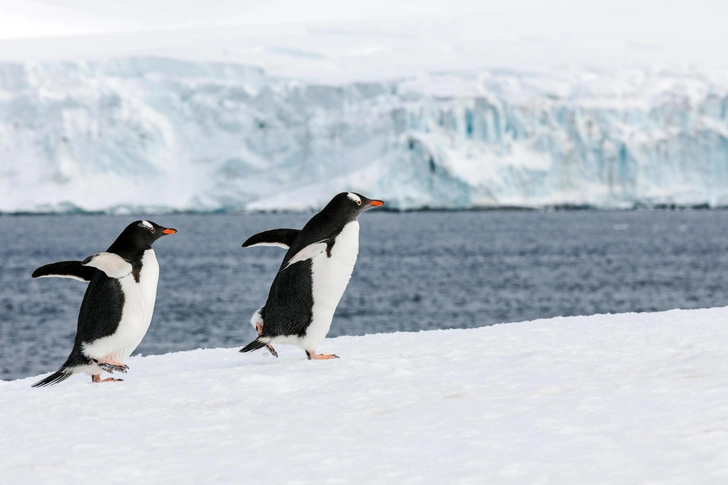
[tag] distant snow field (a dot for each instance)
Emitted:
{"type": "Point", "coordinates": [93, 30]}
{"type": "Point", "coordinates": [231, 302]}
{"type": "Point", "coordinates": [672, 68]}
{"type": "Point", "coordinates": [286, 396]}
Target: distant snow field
{"type": "Point", "coordinates": [629, 398]}
{"type": "Point", "coordinates": [158, 134]}
{"type": "Point", "coordinates": [160, 106]}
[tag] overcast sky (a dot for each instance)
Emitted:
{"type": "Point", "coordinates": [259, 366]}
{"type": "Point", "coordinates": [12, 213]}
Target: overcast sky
{"type": "Point", "coordinates": [688, 31]}
{"type": "Point", "coordinates": [41, 18]}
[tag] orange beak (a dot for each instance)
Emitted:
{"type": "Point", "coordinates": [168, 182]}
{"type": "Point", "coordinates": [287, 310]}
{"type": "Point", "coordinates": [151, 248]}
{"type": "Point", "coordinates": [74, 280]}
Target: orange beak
{"type": "Point", "coordinates": [376, 203]}
{"type": "Point", "coordinates": [169, 231]}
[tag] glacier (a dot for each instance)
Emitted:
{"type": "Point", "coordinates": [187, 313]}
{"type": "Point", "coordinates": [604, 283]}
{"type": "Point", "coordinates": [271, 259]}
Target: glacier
{"type": "Point", "coordinates": [156, 134]}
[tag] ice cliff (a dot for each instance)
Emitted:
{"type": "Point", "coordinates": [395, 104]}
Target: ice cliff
{"type": "Point", "coordinates": [162, 134]}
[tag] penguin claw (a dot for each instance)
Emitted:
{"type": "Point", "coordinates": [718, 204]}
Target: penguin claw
{"type": "Point", "coordinates": [326, 356]}
{"type": "Point", "coordinates": [314, 356]}
{"type": "Point", "coordinates": [272, 350]}
{"type": "Point", "coordinates": [110, 367]}
{"type": "Point", "coordinates": [97, 378]}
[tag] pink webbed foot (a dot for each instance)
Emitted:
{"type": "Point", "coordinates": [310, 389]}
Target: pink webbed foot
{"type": "Point", "coordinates": [97, 378]}
{"type": "Point", "coordinates": [312, 355]}
{"type": "Point", "coordinates": [111, 365]}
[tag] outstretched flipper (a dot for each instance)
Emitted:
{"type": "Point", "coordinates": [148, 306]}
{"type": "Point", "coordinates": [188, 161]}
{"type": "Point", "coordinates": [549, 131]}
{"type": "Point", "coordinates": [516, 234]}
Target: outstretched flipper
{"type": "Point", "coordinates": [309, 252]}
{"type": "Point", "coordinates": [54, 378]}
{"type": "Point", "coordinates": [112, 264]}
{"type": "Point", "coordinates": [74, 270]}
{"type": "Point", "coordinates": [280, 238]}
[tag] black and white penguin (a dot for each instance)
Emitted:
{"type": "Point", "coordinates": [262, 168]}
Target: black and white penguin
{"type": "Point", "coordinates": [118, 305]}
{"type": "Point", "coordinates": [312, 277]}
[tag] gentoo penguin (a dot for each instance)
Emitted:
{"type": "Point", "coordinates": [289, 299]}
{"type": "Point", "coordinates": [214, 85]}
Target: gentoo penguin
{"type": "Point", "coordinates": [312, 277]}
{"type": "Point", "coordinates": [118, 305]}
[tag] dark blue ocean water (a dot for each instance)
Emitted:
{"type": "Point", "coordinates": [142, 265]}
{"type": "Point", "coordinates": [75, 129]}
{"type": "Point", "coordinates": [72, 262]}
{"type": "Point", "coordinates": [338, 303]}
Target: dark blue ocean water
{"type": "Point", "coordinates": [416, 271]}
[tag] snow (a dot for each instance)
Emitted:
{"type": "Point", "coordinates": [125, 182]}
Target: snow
{"type": "Point", "coordinates": [155, 106]}
{"type": "Point", "coordinates": [327, 39]}
{"type": "Point", "coordinates": [159, 134]}
{"type": "Point", "coordinates": [628, 398]}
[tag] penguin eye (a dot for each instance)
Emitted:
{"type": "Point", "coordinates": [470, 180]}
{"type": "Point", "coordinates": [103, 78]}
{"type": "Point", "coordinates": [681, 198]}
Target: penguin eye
{"type": "Point", "coordinates": [153, 230]}
{"type": "Point", "coordinates": [358, 202]}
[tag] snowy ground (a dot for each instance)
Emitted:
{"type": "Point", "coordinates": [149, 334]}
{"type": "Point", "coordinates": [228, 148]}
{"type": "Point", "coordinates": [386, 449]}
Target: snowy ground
{"type": "Point", "coordinates": [631, 398]}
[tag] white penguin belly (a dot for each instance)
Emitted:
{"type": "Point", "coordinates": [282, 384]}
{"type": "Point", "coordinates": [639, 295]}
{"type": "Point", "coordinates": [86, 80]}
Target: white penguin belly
{"type": "Point", "coordinates": [136, 315]}
{"type": "Point", "coordinates": [329, 278]}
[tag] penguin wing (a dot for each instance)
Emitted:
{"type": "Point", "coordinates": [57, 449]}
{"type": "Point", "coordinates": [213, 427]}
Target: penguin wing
{"type": "Point", "coordinates": [309, 252]}
{"type": "Point", "coordinates": [281, 238]}
{"type": "Point", "coordinates": [112, 264]}
{"type": "Point", "coordinates": [74, 270]}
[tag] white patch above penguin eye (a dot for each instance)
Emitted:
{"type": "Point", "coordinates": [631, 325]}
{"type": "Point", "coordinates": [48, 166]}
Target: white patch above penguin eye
{"type": "Point", "coordinates": [147, 225]}
{"type": "Point", "coordinates": [354, 197]}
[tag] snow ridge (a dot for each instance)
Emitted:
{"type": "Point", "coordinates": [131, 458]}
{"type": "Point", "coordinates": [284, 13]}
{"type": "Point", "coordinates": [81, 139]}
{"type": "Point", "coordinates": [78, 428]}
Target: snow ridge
{"type": "Point", "coordinates": [604, 399]}
{"type": "Point", "coordinates": [157, 134]}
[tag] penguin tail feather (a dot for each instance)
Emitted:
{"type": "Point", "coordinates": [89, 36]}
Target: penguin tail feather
{"type": "Point", "coordinates": [54, 378]}
{"type": "Point", "coordinates": [254, 345]}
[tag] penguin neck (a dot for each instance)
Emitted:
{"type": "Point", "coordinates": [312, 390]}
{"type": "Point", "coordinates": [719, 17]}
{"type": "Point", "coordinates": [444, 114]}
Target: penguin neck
{"type": "Point", "coordinates": [334, 218]}
{"type": "Point", "coordinates": [127, 250]}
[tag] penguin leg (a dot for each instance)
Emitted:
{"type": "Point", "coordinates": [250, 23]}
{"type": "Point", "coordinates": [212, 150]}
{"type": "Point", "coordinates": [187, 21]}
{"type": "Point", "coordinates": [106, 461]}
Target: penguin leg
{"type": "Point", "coordinates": [97, 378]}
{"type": "Point", "coordinates": [111, 365]}
{"type": "Point", "coordinates": [259, 329]}
{"type": "Point", "coordinates": [314, 356]}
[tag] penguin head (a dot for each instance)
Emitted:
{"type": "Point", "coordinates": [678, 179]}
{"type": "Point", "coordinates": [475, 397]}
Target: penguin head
{"type": "Point", "coordinates": [139, 235]}
{"type": "Point", "coordinates": [351, 204]}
